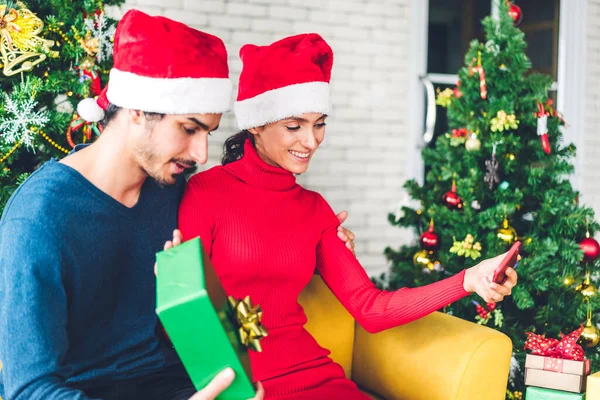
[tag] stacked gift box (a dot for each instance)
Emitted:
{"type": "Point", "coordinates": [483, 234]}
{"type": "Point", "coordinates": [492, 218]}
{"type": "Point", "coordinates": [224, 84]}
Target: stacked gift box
{"type": "Point", "coordinates": [556, 369]}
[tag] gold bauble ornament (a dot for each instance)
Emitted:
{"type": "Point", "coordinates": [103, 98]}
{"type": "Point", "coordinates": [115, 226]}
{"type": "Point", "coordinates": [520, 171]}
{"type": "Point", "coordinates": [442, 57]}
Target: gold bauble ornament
{"type": "Point", "coordinates": [425, 259]}
{"type": "Point", "coordinates": [586, 288]}
{"type": "Point", "coordinates": [422, 258]}
{"type": "Point", "coordinates": [507, 233]}
{"type": "Point", "coordinates": [473, 143]}
{"type": "Point", "coordinates": [590, 335]}
{"type": "Point", "coordinates": [589, 290]}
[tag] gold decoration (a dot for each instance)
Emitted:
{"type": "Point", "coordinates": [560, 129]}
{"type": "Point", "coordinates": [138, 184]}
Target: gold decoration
{"type": "Point", "coordinates": [52, 142]}
{"type": "Point", "coordinates": [590, 335]}
{"type": "Point", "coordinates": [587, 289]}
{"type": "Point", "coordinates": [473, 143]}
{"type": "Point", "coordinates": [504, 122]}
{"type": "Point", "coordinates": [507, 233]}
{"type": "Point", "coordinates": [467, 248]}
{"type": "Point", "coordinates": [91, 45]}
{"type": "Point", "coordinates": [12, 150]}
{"type": "Point", "coordinates": [424, 259]}
{"type": "Point", "coordinates": [59, 32]}
{"type": "Point", "coordinates": [88, 64]}
{"type": "Point", "coordinates": [20, 44]}
{"type": "Point", "coordinates": [444, 98]}
{"type": "Point", "coordinates": [568, 281]}
{"type": "Point", "coordinates": [247, 318]}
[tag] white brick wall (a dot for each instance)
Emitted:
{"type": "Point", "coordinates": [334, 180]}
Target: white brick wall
{"type": "Point", "coordinates": [360, 166]}
{"type": "Point", "coordinates": [590, 148]}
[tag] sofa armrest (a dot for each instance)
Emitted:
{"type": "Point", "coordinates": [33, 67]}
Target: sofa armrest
{"type": "Point", "coordinates": [436, 357]}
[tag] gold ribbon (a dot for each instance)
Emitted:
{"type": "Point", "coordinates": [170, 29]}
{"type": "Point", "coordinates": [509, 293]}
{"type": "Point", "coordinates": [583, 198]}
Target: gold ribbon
{"type": "Point", "coordinates": [7, 24]}
{"type": "Point", "coordinates": [247, 319]}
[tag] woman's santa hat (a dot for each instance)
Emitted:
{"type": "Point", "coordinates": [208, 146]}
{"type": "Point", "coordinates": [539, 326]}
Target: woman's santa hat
{"type": "Point", "coordinates": [164, 66]}
{"type": "Point", "coordinates": [285, 79]}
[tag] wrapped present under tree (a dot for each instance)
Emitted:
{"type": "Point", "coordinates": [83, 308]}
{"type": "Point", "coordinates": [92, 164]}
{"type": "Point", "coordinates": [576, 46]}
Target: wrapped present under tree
{"type": "Point", "coordinates": [556, 364]}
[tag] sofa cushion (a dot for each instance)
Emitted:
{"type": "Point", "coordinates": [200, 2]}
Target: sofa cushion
{"type": "Point", "coordinates": [329, 322]}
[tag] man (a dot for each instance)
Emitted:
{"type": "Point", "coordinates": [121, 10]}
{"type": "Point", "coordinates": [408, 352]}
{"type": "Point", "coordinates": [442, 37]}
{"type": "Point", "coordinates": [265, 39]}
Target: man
{"type": "Point", "coordinates": [77, 240]}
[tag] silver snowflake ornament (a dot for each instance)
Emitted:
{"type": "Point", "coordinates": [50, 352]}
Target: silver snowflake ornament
{"type": "Point", "coordinates": [20, 116]}
{"type": "Point", "coordinates": [100, 30]}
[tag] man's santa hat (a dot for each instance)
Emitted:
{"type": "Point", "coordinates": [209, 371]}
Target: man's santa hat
{"type": "Point", "coordinates": [164, 66]}
{"type": "Point", "coordinates": [285, 79]}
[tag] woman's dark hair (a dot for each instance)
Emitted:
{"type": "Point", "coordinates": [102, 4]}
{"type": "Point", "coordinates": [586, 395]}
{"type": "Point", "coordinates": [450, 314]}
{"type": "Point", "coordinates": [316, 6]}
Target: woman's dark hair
{"type": "Point", "coordinates": [112, 110]}
{"type": "Point", "coordinates": [233, 149]}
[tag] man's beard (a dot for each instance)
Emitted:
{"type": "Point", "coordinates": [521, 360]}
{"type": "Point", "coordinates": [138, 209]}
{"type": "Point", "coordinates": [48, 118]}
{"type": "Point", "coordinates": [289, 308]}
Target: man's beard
{"type": "Point", "coordinates": [149, 162]}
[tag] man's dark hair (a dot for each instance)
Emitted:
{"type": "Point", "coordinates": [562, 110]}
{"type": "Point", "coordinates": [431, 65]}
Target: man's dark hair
{"type": "Point", "coordinates": [112, 110]}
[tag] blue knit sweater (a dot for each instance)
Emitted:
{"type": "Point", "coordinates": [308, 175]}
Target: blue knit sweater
{"type": "Point", "coordinates": [77, 288]}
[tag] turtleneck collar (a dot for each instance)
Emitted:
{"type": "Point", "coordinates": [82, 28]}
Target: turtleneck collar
{"type": "Point", "coordinates": [254, 171]}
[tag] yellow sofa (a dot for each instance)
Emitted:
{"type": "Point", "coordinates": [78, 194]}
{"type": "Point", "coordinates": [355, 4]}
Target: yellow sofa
{"type": "Point", "coordinates": [438, 357]}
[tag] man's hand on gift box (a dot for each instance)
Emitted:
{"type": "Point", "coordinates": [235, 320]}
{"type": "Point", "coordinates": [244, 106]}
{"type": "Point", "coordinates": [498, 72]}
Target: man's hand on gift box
{"type": "Point", "coordinates": [344, 234]}
{"type": "Point", "coordinates": [478, 279]}
{"type": "Point", "coordinates": [220, 383]}
{"type": "Point", "coordinates": [177, 240]}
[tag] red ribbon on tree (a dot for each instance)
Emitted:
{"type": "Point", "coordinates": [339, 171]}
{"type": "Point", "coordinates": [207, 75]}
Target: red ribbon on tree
{"type": "Point", "coordinates": [460, 133]}
{"type": "Point", "coordinates": [88, 128]}
{"type": "Point", "coordinates": [542, 127]}
{"type": "Point", "coordinates": [566, 348]}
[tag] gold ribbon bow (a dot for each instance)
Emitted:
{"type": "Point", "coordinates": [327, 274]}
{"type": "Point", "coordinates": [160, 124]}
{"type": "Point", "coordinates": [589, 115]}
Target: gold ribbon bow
{"type": "Point", "coordinates": [19, 40]}
{"type": "Point", "coordinates": [7, 24]}
{"type": "Point", "coordinates": [247, 319]}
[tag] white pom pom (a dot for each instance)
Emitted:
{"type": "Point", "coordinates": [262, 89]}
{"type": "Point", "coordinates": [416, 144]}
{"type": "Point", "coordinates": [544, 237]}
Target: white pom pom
{"type": "Point", "coordinates": [89, 110]}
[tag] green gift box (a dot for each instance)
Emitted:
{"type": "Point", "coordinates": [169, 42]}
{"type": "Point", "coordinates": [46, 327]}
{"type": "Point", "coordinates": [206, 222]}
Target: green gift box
{"type": "Point", "coordinates": [200, 320]}
{"type": "Point", "coordinates": [537, 393]}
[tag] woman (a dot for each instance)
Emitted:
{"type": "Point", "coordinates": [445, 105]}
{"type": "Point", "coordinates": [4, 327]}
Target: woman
{"type": "Point", "coordinates": [267, 236]}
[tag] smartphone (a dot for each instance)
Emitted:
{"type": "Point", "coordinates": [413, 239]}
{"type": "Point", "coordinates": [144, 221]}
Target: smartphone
{"type": "Point", "coordinates": [510, 260]}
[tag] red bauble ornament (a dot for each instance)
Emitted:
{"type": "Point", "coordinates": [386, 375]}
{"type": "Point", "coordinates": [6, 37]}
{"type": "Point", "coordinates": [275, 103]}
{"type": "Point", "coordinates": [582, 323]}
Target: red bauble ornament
{"type": "Point", "coordinates": [515, 13]}
{"type": "Point", "coordinates": [430, 240]}
{"type": "Point", "coordinates": [590, 247]}
{"type": "Point", "coordinates": [452, 199]}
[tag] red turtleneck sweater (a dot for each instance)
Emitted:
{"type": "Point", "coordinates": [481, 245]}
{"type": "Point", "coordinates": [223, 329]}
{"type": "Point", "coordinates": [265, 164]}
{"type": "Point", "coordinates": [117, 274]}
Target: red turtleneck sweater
{"type": "Point", "coordinates": [267, 236]}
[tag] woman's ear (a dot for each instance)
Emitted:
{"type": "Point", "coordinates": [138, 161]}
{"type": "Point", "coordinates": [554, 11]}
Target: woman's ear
{"type": "Point", "coordinates": [253, 131]}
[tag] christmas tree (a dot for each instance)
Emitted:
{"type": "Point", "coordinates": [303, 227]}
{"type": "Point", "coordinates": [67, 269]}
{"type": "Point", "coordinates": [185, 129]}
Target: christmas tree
{"type": "Point", "coordinates": [501, 175]}
{"type": "Point", "coordinates": [53, 55]}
